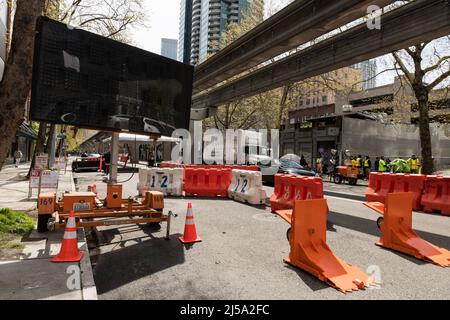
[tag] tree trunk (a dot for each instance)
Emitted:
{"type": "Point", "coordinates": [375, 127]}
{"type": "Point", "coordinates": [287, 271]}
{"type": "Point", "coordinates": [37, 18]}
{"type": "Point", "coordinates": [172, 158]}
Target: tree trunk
{"type": "Point", "coordinates": [283, 101]}
{"type": "Point", "coordinates": [425, 135]}
{"type": "Point", "coordinates": [16, 83]}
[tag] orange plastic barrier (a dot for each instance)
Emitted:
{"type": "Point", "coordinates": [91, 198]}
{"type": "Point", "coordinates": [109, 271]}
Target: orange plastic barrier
{"type": "Point", "coordinates": [410, 183]}
{"type": "Point", "coordinates": [207, 182]}
{"type": "Point", "coordinates": [436, 196]}
{"type": "Point", "coordinates": [380, 184]}
{"type": "Point", "coordinates": [397, 233]}
{"type": "Point", "coordinates": [289, 188]}
{"type": "Point", "coordinates": [167, 164]}
{"type": "Point", "coordinates": [310, 252]}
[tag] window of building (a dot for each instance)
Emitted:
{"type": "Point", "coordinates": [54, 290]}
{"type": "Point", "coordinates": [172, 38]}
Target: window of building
{"type": "Point", "coordinates": [308, 102]}
{"type": "Point", "coordinates": [324, 99]}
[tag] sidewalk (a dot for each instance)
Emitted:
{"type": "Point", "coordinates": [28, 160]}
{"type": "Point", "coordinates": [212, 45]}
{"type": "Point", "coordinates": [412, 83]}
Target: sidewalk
{"type": "Point", "coordinates": [34, 276]}
{"type": "Point", "coordinates": [14, 188]}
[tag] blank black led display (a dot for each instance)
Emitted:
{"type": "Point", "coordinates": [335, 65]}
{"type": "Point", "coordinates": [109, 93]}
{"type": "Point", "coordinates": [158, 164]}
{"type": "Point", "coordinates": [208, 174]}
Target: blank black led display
{"type": "Point", "coordinates": [83, 79]}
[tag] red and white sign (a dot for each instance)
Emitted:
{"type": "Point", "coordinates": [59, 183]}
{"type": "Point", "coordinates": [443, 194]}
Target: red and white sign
{"type": "Point", "coordinates": [34, 178]}
{"type": "Point", "coordinates": [49, 179]}
{"type": "Point", "coordinates": [41, 162]}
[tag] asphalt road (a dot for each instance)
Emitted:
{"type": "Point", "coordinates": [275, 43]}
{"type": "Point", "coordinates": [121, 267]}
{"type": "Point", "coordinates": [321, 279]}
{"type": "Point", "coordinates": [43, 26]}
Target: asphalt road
{"type": "Point", "coordinates": [241, 256]}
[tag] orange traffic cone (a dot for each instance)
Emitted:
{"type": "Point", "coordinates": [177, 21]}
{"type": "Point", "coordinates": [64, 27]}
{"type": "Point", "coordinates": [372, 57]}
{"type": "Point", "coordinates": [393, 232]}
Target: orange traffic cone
{"type": "Point", "coordinates": [69, 248]}
{"type": "Point", "coordinates": [190, 232]}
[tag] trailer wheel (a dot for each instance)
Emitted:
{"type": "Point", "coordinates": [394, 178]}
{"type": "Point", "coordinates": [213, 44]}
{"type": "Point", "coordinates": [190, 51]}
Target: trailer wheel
{"type": "Point", "coordinates": [42, 222]}
{"type": "Point", "coordinates": [337, 179]}
{"type": "Point", "coordinates": [288, 234]}
{"type": "Point", "coordinates": [379, 222]}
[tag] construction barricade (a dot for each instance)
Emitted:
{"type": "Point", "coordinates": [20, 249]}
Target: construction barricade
{"type": "Point", "coordinates": [289, 188]}
{"type": "Point", "coordinates": [436, 196]}
{"type": "Point", "coordinates": [167, 164]}
{"type": "Point", "coordinates": [413, 183]}
{"type": "Point", "coordinates": [310, 252]}
{"type": "Point", "coordinates": [169, 181]}
{"type": "Point", "coordinates": [246, 186]}
{"type": "Point", "coordinates": [397, 233]}
{"type": "Point", "coordinates": [380, 184]}
{"type": "Point", "coordinates": [201, 182]}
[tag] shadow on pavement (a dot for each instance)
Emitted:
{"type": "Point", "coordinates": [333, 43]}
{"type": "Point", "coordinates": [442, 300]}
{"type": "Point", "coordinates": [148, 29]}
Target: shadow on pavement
{"type": "Point", "coordinates": [127, 264]}
{"type": "Point", "coordinates": [370, 227]}
{"type": "Point", "coordinates": [311, 281]}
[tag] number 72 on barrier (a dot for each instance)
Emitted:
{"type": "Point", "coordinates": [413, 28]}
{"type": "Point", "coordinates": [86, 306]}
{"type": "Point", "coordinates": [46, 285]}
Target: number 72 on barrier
{"type": "Point", "coordinates": [244, 185]}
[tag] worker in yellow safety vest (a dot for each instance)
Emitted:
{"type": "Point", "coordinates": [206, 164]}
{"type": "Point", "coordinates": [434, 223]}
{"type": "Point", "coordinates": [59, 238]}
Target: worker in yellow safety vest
{"type": "Point", "coordinates": [382, 165]}
{"type": "Point", "coordinates": [367, 166]}
{"type": "Point", "coordinates": [414, 164]}
{"type": "Point", "coordinates": [359, 164]}
{"type": "Point", "coordinates": [353, 162]}
{"type": "Point", "coordinates": [319, 165]}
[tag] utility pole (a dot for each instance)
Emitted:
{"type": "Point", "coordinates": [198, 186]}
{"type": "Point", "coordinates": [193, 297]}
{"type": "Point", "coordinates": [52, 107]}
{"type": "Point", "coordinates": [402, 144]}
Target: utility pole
{"type": "Point", "coordinates": [52, 150]}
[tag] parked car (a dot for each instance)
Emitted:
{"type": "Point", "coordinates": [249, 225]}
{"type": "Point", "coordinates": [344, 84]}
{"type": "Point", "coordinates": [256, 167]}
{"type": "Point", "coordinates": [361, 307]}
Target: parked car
{"type": "Point", "coordinates": [286, 167]}
{"type": "Point", "coordinates": [89, 163]}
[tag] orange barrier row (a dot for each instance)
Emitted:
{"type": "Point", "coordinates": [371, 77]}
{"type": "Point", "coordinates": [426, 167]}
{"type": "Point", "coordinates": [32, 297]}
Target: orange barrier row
{"type": "Point", "coordinates": [289, 188]}
{"type": "Point", "coordinates": [207, 166]}
{"type": "Point", "coordinates": [207, 182]}
{"type": "Point", "coordinates": [436, 196]}
{"type": "Point", "coordinates": [381, 184]}
{"type": "Point", "coordinates": [397, 233]}
{"type": "Point", "coordinates": [310, 252]}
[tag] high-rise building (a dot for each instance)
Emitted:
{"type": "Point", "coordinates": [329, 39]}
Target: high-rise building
{"type": "Point", "coordinates": [169, 48]}
{"type": "Point", "coordinates": [369, 71]}
{"type": "Point", "coordinates": [210, 19]}
{"type": "Point", "coordinates": [184, 40]}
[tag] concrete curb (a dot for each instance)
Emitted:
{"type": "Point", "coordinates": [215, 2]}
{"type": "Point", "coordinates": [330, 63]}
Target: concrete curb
{"type": "Point", "coordinates": [88, 288]}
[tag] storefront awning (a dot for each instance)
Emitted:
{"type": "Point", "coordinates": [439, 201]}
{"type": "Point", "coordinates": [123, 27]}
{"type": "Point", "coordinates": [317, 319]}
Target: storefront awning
{"type": "Point", "coordinates": [26, 131]}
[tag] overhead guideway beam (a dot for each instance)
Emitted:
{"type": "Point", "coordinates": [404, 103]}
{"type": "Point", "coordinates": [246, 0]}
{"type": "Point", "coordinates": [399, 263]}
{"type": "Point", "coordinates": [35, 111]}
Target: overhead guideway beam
{"type": "Point", "coordinates": [413, 23]}
{"type": "Point", "coordinates": [298, 23]}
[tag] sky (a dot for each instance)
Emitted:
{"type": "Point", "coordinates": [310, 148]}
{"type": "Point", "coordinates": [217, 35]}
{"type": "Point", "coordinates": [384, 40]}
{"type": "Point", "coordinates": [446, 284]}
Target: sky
{"type": "Point", "coordinates": [163, 22]}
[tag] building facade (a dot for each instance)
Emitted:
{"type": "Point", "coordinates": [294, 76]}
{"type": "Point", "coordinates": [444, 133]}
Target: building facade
{"type": "Point", "coordinates": [317, 98]}
{"type": "Point", "coordinates": [374, 122]}
{"type": "Point", "coordinates": [169, 48]}
{"type": "Point", "coordinates": [210, 19]}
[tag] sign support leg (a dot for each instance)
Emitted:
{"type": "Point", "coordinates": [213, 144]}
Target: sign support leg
{"type": "Point", "coordinates": [114, 157]}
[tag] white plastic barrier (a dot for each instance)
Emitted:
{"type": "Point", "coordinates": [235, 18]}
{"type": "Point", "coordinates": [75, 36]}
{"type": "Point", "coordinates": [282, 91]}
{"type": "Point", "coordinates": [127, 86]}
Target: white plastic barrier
{"type": "Point", "coordinates": [246, 186]}
{"type": "Point", "coordinates": [166, 180]}
{"type": "Point", "coordinates": [142, 180]}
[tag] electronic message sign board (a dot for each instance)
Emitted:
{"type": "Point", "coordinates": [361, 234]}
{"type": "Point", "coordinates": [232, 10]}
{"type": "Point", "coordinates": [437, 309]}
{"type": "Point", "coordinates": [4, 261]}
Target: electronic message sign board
{"type": "Point", "coordinates": [86, 80]}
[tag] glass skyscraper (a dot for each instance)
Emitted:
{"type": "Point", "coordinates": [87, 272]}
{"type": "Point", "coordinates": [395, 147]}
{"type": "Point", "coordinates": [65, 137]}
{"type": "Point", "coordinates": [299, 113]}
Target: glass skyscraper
{"type": "Point", "coordinates": [184, 40]}
{"type": "Point", "coordinates": [369, 71]}
{"type": "Point", "coordinates": [209, 19]}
